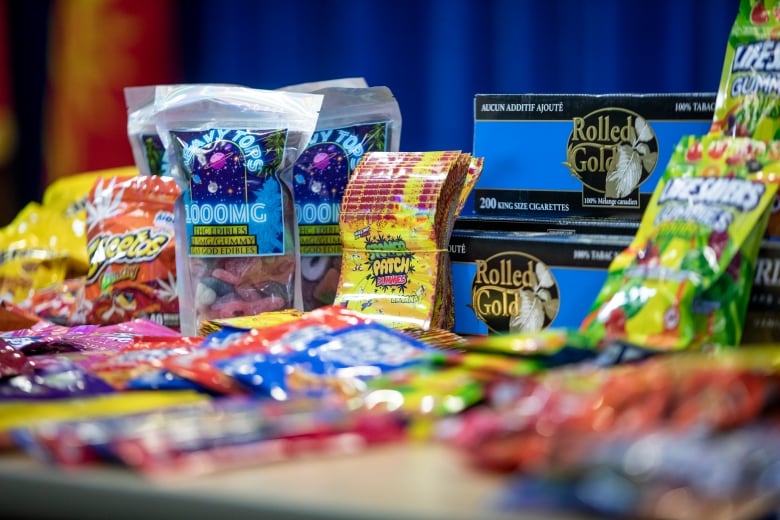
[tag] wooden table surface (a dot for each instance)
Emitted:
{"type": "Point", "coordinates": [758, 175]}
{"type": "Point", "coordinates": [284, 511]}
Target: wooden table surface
{"type": "Point", "coordinates": [398, 481]}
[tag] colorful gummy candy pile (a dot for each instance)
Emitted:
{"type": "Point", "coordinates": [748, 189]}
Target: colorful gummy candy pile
{"type": "Point", "coordinates": [558, 411]}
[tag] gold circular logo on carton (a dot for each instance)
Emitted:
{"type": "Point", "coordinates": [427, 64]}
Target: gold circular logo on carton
{"type": "Point", "coordinates": [514, 292]}
{"type": "Point", "coordinates": [612, 151]}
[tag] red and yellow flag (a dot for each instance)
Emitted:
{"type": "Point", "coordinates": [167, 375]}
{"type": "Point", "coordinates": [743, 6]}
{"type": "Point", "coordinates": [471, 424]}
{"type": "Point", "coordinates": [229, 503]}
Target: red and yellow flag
{"type": "Point", "coordinates": [7, 118]}
{"type": "Point", "coordinates": [97, 48]}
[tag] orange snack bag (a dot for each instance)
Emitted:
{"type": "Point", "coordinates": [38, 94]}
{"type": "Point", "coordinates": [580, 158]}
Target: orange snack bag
{"type": "Point", "coordinates": [131, 248]}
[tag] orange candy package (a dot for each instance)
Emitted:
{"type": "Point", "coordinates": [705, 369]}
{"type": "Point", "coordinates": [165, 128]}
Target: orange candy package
{"type": "Point", "coordinates": [131, 249]}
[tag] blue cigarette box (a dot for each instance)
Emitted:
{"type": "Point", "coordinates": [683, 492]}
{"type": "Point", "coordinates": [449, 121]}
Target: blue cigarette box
{"type": "Point", "coordinates": [577, 155]}
{"type": "Point", "coordinates": [513, 281]}
{"type": "Point", "coordinates": [527, 281]}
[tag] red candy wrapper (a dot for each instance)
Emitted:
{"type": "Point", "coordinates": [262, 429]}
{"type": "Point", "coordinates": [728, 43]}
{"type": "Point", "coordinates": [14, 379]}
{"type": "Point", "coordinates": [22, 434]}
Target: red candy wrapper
{"type": "Point", "coordinates": [200, 365]}
{"type": "Point", "coordinates": [142, 356]}
{"type": "Point", "coordinates": [204, 438]}
{"type": "Point", "coordinates": [529, 423]}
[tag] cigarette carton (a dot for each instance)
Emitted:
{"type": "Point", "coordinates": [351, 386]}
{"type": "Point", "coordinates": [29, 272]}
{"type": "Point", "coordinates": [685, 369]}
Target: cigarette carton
{"type": "Point", "coordinates": [560, 155]}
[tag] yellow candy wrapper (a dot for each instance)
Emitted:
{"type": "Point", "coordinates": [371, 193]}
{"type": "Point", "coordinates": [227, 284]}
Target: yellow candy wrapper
{"type": "Point", "coordinates": [46, 242]}
{"type": "Point", "coordinates": [397, 288]}
{"type": "Point", "coordinates": [24, 413]}
{"type": "Point", "coordinates": [258, 321]}
{"type": "Point", "coordinates": [396, 220]}
{"type": "Point", "coordinates": [67, 197]}
{"type": "Point", "coordinates": [32, 256]}
{"type": "Point", "coordinates": [748, 98]}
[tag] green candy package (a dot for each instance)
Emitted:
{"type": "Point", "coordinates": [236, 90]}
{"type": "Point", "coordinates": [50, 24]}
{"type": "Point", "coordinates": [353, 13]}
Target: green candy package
{"type": "Point", "coordinates": [231, 149]}
{"type": "Point", "coordinates": [541, 343]}
{"type": "Point", "coordinates": [748, 99]}
{"type": "Point", "coordinates": [685, 279]}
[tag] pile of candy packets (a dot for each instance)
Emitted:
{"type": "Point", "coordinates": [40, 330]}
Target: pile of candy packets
{"type": "Point", "coordinates": [188, 344]}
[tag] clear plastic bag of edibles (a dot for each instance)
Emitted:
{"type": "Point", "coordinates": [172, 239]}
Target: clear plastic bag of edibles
{"type": "Point", "coordinates": [231, 149]}
{"type": "Point", "coordinates": [352, 122]}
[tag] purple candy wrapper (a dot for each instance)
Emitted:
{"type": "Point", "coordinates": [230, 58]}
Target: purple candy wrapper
{"type": "Point", "coordinates": [52, 377]}
{"type": "Point", "coordinates": [48, 338]}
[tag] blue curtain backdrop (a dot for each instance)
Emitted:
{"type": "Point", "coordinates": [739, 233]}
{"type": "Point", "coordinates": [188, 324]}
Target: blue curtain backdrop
{"type": "Point", "coordinates": [435, 55]}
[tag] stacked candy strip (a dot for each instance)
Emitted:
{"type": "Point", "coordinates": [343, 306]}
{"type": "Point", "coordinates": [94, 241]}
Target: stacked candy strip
{"type": "Point", "coordinates": [396, 219]}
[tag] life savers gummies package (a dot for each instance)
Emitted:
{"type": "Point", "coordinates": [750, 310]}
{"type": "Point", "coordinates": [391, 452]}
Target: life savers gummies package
{"type": "Point", "coordinates": [231, 150]}
{"type": "Point", "coordinates": [748, 100]}
{"type": "Point", "coordinates": [132, 252]}
{"type": "Point", "coordinates": [685, 278]}
{"type": "Point", "coordinates": [352, 122]}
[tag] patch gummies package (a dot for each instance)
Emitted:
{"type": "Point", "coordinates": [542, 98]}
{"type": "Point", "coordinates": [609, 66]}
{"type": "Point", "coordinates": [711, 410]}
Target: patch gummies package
{"type": "Point", "coordinates": [352, 122]}
{"type": "Point", "coordinates": [684, 280]}
{"type": "Point", "coordinates": [395, 223]}
{"type": "Point", "coordinates": [231, 150]}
